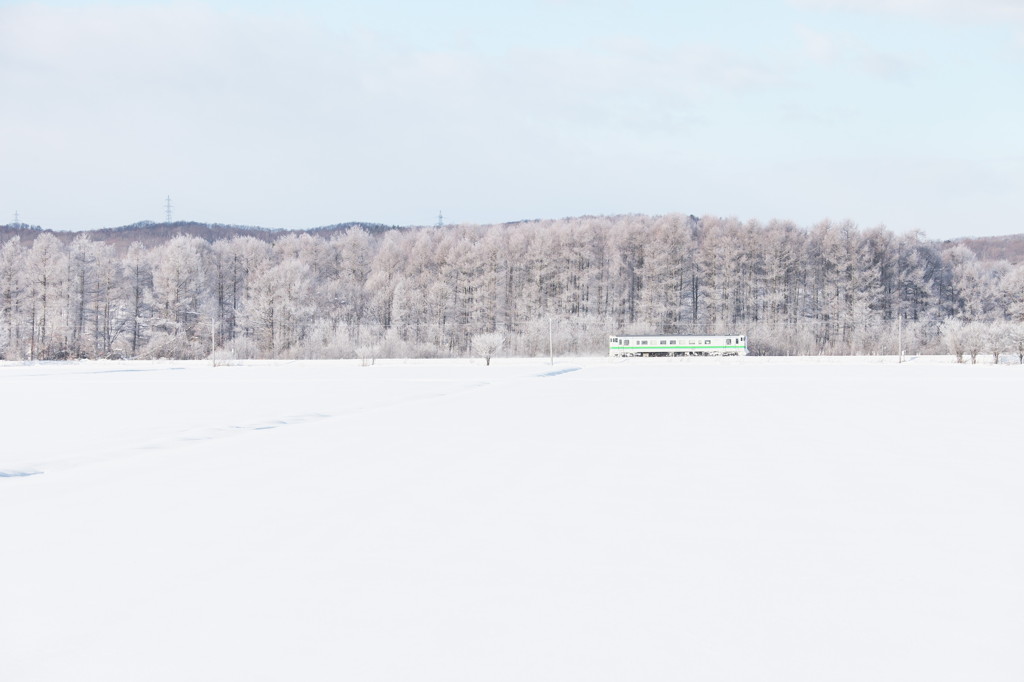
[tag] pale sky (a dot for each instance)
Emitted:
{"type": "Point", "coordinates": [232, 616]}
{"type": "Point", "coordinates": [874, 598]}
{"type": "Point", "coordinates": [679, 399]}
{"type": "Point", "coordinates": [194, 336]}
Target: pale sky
{"type": "Point", "coordinates": [904, 113]}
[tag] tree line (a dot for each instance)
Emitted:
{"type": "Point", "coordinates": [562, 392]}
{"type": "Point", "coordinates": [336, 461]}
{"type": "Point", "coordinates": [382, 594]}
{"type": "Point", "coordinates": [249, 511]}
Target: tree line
{"type": "Point", "coordinates": [447, 291]}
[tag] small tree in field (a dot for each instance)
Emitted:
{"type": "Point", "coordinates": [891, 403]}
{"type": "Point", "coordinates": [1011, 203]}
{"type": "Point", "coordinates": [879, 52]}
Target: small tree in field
{"type": "Point", "coordinates": [1015, 335]}
{"type": "Point", "coordinates": [953, 337]}
{"type": "Point", "coordinates": [486, 345]}
{"type": "Point", "coordinates": [367, 354]}
{"type": "Point", "coordinates": [975, 335]}
{"type": "Point", "coordinates": [998, 339]}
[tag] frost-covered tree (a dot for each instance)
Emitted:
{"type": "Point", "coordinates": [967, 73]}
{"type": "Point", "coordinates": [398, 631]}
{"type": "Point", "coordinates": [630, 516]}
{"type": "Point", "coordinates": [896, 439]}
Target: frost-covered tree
{"type": "Point", "coordinates": [917, 266]}
{"type": "Point", "coordinates": [109, 311]}
{"type": "Point", "coordinates": [975, 339]}
{"type": "Point", "coordinates": [997, 339]}
{"type": "Point", "coordinates": [833, 288]}
{"type": "Point", "coordinates": [280, 308]}
{"type": "Point", "coordinates": [46, 269]}
{"type": "Point", "coordinates": [954, 338]}
{"type": "Point", "coordinates": [138, 283]}
{"type": "Point", "coordinates": [668, 274]}
{"type": "Point", "coordinates": [486, 345]}
{"type": "Point", "coordinates": [720, 266]}
{"type": "Point", "coordinates": [1015, 333]}
{"type": "Point", "coordinates": [81, 279]}
{"type": "Point", "coordinates": [12, 288]}
{"type": "Point", "coordinates": [1012, 292]}
{"type": "Point", "coordinates": [966, 292]}
{"type": "Point", "coordinates": [177, 295]}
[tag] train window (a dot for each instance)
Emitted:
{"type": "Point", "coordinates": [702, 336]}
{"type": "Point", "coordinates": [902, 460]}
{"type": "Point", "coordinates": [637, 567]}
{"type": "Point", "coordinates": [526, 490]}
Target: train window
{"type": "Point", "coordinates": [708, 342]}
{"type": "Point", "coordinates": [643, 343]}
{"type": "Point", "coordinates": [728, 342]}
{"type": "Point", "coordinates": [663, 342]}
{"type": "Point", "coordinates": [625, 342]}
{"type": "Point", "coordinates": [672, 342]}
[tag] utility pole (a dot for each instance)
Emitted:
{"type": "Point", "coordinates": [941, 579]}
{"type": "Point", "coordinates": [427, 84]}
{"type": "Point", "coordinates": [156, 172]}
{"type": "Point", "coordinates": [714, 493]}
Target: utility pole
{"type": "Point", "coordinates": [167, 208]}
{"type": "Point", "coordinates": [899, 333]}
{"type": "Point", "coordinates": [551, 341]}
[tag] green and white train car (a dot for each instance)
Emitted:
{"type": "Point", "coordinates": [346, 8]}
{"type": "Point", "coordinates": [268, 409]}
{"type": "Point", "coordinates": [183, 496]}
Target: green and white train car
{"type": "Point", "coordinates": [676, 345]}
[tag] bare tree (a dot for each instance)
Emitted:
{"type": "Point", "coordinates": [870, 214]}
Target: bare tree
{"type": "Point", "coordinates": [47, 275]}
{"type": "Point", "coordinates": [953, 337]}
{"type": "Point", "coordinates": [1015, 332]}
{"type": "Point", "coordinates": [430, 292]}
{"type": "Point", "coordinates": [12, 289]}
{"type": "Point", "coordinates": [486, 345]}
{"type": "Point", "coordinates": [975, 339]}
{"type": "Point", "coordinates": [997, 336]}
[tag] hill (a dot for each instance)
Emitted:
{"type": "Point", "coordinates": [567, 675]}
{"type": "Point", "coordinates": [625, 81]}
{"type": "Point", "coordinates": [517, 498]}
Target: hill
{"type": "Point", "coordinates": [1008, 247]}
{"type": "Point", "coordinates": [151, 234]}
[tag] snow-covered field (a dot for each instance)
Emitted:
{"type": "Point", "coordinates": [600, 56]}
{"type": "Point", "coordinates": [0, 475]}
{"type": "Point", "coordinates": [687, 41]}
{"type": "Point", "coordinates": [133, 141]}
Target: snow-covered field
{"type": "Point", "coordinates": [740, 519]}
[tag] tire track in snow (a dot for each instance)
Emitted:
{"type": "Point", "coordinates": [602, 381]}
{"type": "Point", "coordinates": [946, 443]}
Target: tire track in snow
{"type": "Point", "coordinates": [205, 433]}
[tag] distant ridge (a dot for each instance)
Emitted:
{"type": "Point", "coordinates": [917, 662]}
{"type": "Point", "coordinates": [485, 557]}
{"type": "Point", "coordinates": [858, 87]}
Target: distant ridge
{"type": "Point", "coordinates": [150, 233]}
{"type": "Point", "coordinates": [1007, 247]}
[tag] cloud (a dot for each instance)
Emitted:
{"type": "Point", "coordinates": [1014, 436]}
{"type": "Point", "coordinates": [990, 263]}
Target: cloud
{"type": "Point", "coordinates": [957, 10]}
{"type": "Point", "coordinates": [190, 68]}
{"type": "Point", "coordinates": [284, 120]}
{"type": "Point", "coordinates": [999, 15]}
{"type": "Point", "coordinates": [819, 45]}
{"type": "Point", "coordinates": [123, 104]}
{"type": "Point", "coordinates": [892, 67]}
{"type": "Point", "coordinates": [834, 49]}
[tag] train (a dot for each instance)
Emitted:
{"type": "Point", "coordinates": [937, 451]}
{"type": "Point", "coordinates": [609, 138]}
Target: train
{"type": "Point", "coordinates": [677, 345]}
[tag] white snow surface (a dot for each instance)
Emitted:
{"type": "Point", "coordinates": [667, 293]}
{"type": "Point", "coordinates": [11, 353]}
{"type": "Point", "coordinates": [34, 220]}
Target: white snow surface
{"type": "Point", "coordinates": [728, 519]}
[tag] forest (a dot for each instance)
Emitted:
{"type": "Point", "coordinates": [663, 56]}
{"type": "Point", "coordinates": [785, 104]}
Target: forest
{"type": "Point", "coordinates": [509, 289]}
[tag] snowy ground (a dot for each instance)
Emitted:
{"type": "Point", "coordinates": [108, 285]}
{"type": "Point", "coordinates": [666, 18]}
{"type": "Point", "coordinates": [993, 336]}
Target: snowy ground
{"type": "Point", "coordinates": [740, 519]}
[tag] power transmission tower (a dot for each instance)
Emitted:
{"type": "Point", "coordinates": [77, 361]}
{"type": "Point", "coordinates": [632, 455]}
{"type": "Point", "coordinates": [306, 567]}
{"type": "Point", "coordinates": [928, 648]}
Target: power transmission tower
{"type": "Point", "coordinates": [17, 219]}
{"type": "Point", "coordinates": [440, 219]}
{"type": "Point", "coordinates": [167, 208]}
